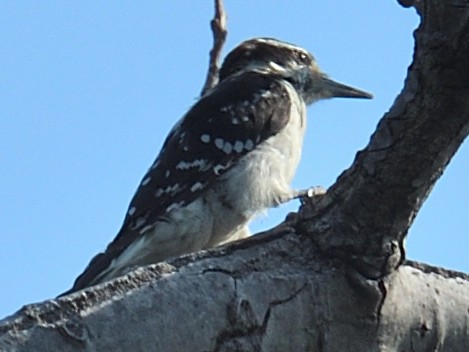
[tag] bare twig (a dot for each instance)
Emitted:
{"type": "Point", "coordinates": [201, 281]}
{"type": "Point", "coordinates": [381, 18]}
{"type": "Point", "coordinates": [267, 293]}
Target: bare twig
{"type": "Point", "coordinates": [218, 25]}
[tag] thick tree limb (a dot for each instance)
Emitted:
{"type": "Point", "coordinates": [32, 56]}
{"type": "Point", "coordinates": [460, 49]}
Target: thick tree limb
{"type": "Point", "coordinates": [367, 212]}
{"type": "Point", "coordinates": [276, 296]}
{"type": "Point", "coordinates": [332, 278]}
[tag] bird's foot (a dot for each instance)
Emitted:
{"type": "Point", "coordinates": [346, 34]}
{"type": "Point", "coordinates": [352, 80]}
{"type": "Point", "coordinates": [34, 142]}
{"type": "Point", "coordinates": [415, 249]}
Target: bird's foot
{"type": "Point", "coordinates": [310, 194]}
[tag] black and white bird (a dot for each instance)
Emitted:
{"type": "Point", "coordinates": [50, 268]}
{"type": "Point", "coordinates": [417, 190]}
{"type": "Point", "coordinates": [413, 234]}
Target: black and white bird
{"type": "Point", "coordinates": [231, 156]}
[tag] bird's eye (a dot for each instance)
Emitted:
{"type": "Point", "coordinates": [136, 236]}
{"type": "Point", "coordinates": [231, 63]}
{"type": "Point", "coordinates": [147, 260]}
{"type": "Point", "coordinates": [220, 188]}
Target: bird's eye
{"type": "Point", "coordinates": [303, 58]}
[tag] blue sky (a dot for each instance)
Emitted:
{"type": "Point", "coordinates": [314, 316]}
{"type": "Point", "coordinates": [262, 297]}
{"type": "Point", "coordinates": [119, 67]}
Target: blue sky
{"type": "Point", "coordinates": [89, 90]}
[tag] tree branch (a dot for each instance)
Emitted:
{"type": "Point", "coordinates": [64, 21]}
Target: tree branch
{"type": "Point", "coordinates": [332, 278]}
{"type": "Point", "coordinates": [365, 215]}
{"type": "Point", "coordinates": [218, 25]}
{"type": "Point", "coordinates": [275, 296]}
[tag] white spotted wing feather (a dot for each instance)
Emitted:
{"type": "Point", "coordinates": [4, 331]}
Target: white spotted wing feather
{"type": "Point", "coordinates": [232, 155]}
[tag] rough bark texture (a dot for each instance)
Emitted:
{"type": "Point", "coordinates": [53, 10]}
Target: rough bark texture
{"type": "Point", "coordinates": [268, 294]}
{"type": "Point", "coordinates": [331, 278]}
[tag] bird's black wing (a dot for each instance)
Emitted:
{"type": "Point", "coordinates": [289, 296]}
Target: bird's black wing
{"type": "Point", "coordinates": [237, 115]}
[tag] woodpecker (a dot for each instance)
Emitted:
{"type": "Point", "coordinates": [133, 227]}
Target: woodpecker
{"type": "Point", "coordinates": [231, 156]}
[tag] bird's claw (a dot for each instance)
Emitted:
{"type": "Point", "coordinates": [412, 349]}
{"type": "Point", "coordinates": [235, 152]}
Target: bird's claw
{"type": "Point", "coordinates": [310, 193]}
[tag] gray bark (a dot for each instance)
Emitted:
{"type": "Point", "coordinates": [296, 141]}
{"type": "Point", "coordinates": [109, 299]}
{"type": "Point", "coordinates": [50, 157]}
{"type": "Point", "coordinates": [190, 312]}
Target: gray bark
{"type": "Point", "coordinates": [332, 277]}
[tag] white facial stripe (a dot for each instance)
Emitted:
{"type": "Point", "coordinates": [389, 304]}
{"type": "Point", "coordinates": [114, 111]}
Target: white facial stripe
{"type": "Point", "coordinates": [279, 69]}
{"type": "Point", "coordinates": [279, 44]}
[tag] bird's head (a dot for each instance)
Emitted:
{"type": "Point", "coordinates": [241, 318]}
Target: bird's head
{"type": "Point", "coordinates": [290, 62]}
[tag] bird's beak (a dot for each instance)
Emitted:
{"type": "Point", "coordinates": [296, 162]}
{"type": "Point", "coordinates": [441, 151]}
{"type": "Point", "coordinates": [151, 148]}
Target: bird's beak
{"type": "Point", "coordinates": [338, 90]}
